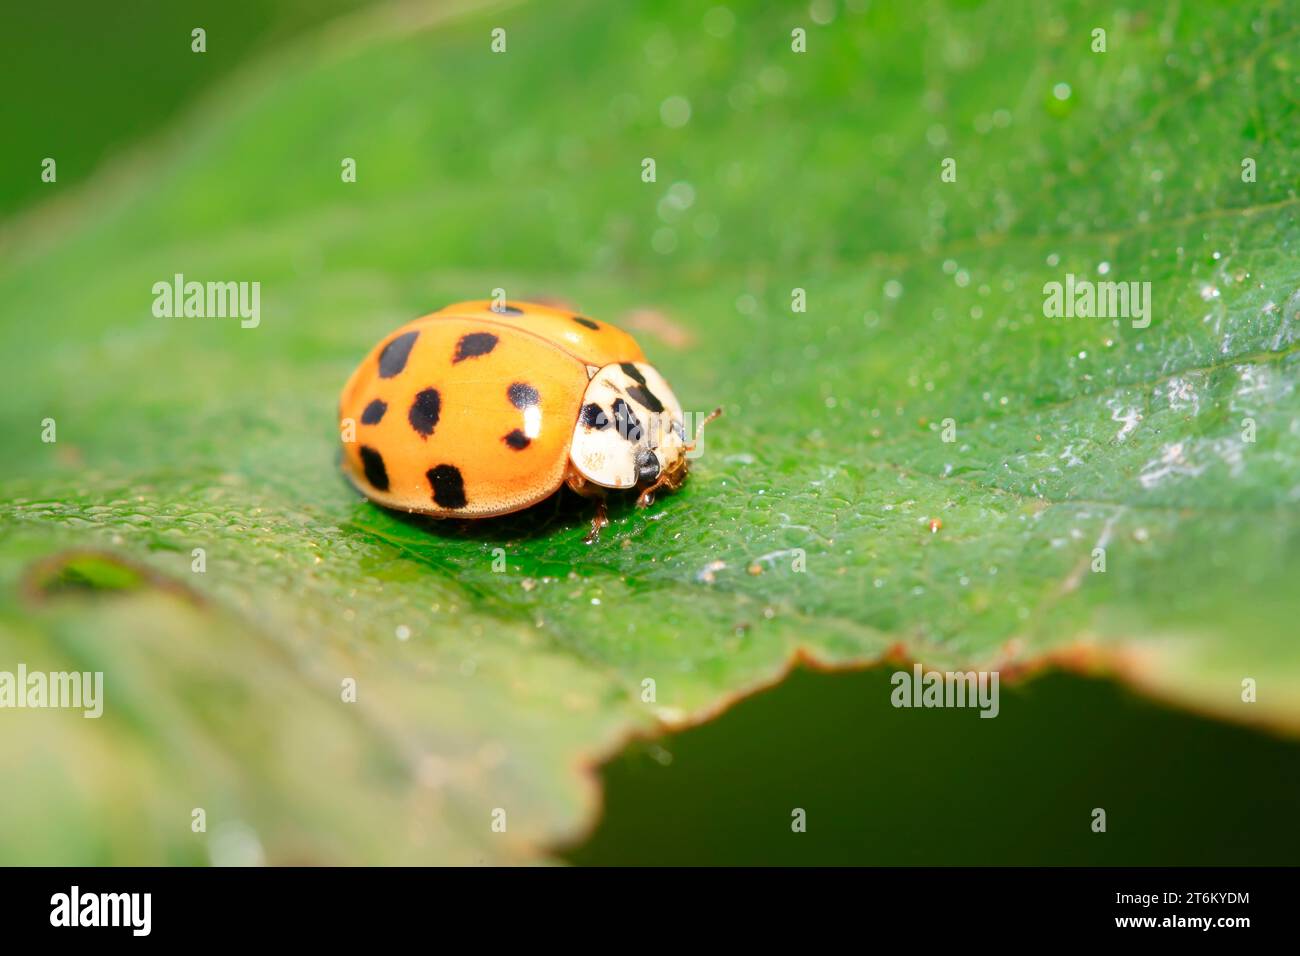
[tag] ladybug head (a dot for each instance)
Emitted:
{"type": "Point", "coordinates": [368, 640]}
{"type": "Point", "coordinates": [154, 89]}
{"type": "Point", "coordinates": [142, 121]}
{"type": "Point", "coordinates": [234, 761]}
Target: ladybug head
{"type": "Point", "coordinates": [672, 474]}
{"type": "Point", "coordinates": [629, 432]}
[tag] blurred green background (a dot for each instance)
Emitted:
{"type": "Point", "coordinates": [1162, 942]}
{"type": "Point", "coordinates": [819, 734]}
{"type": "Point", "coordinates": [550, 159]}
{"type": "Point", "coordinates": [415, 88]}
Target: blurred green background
{"type": "Point", "coordinates": [90, 82]}
{"type": "Point", "coordinates": [886, 786]}
{"type": "Point", "coordinates": [828, 519]}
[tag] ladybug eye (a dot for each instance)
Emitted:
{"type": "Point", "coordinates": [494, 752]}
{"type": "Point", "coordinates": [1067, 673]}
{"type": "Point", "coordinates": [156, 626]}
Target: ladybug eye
{"type": "Point", "coordinates": [647, 466]}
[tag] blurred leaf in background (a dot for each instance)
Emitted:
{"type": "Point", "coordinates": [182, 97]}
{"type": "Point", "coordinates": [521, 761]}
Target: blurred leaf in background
{"type": "Point", "coordinates": [87, 80]}
{"type": "Point", "coordinates": [885, 786]}
{"type": "Point", "coordinates": [797, 258]}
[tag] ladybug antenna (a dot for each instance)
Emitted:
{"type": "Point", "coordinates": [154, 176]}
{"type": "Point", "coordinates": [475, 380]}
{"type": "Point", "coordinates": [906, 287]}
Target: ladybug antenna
{"type": "Point", "coordinates": [716, 413]}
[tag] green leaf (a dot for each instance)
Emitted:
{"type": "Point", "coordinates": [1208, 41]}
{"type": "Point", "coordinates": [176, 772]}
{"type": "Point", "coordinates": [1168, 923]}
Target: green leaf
{"type": "Point", "coordinates": [827, 516]}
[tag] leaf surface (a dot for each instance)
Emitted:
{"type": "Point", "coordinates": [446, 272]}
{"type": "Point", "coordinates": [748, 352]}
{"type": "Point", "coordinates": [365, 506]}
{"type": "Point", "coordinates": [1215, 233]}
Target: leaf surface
{"type": "Point", "coordinates": [827, 516]}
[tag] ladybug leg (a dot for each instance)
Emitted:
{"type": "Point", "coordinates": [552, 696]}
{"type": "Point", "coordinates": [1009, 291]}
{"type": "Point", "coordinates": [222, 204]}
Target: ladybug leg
{"type": "Point", "coordinates": [599, 520]}
{"type": "Point", "coordinates": [670, 479]}
{"type": "Point", "coordinates": [647, 497]}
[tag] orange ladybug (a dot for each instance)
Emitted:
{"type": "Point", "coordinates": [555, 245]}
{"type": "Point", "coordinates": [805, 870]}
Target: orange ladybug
{"type": "Point", "coordinates": [478, 410]}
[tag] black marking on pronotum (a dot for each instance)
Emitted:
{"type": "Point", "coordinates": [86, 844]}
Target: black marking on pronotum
{"type": "Point", "coordinates": [632, 372]}
{"type": "Point", "coordinates": [448, 486]}
{"type": "Point", "coordinates": [373, 463]}
{"type": "Point", "coordinates": [374, 413]}
{"type": "Point", "coordinates": [393, 358]}
{"type": "Point", "coordinates": [646, 397]}
{"type": "Point", "coordinates": [425, 411]}
{"type": "Point", "coordinates": [587, 322]}
{"type": "Point", "coordinates": [522, 395]}
{"type": "Point", "coordinates": [627, 423]}
{"type": "Point", "coordinates": [517, 440]}
{"type": "Point", "coordinates": [593, 416]}
{"type": "Point", "coordinates": [474, 345]}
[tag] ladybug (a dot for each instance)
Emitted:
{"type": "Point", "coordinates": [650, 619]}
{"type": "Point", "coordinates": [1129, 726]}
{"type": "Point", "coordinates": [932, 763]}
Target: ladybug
{"type": "Point", "coordinates": [483, 409]}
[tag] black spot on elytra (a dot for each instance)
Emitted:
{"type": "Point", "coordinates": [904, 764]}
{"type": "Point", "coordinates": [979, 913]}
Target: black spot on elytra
{"type": "Point", "coordinates": [522, 395]}
{"type": "Point", "coordinates": [448, 486]}
{"type": "Point", "coordinates": [585, 322]}
{"type": "Point", "coordinates": [646, 397]}
{"type": "Point", "coordinates": [373, 463]}
{"type": "Point", "coordinates": [632, 372]}
{"type": "Point", "coordinates": [474, 345]}
{"type": "Point", "coordinates": [593, 416]}
{"type": "Point", "coordinates": [507, 310]}
{"type": "Point", "coordinates": [393, 358]}
{"type": "Point", "coordinates": [374, 413]}
{"type": "Point", "coordinates": [517, 440]}
{"type": "Point", "coordinates": [425, 411]}
{"type": "Point", "coordinates": [627, 423]}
